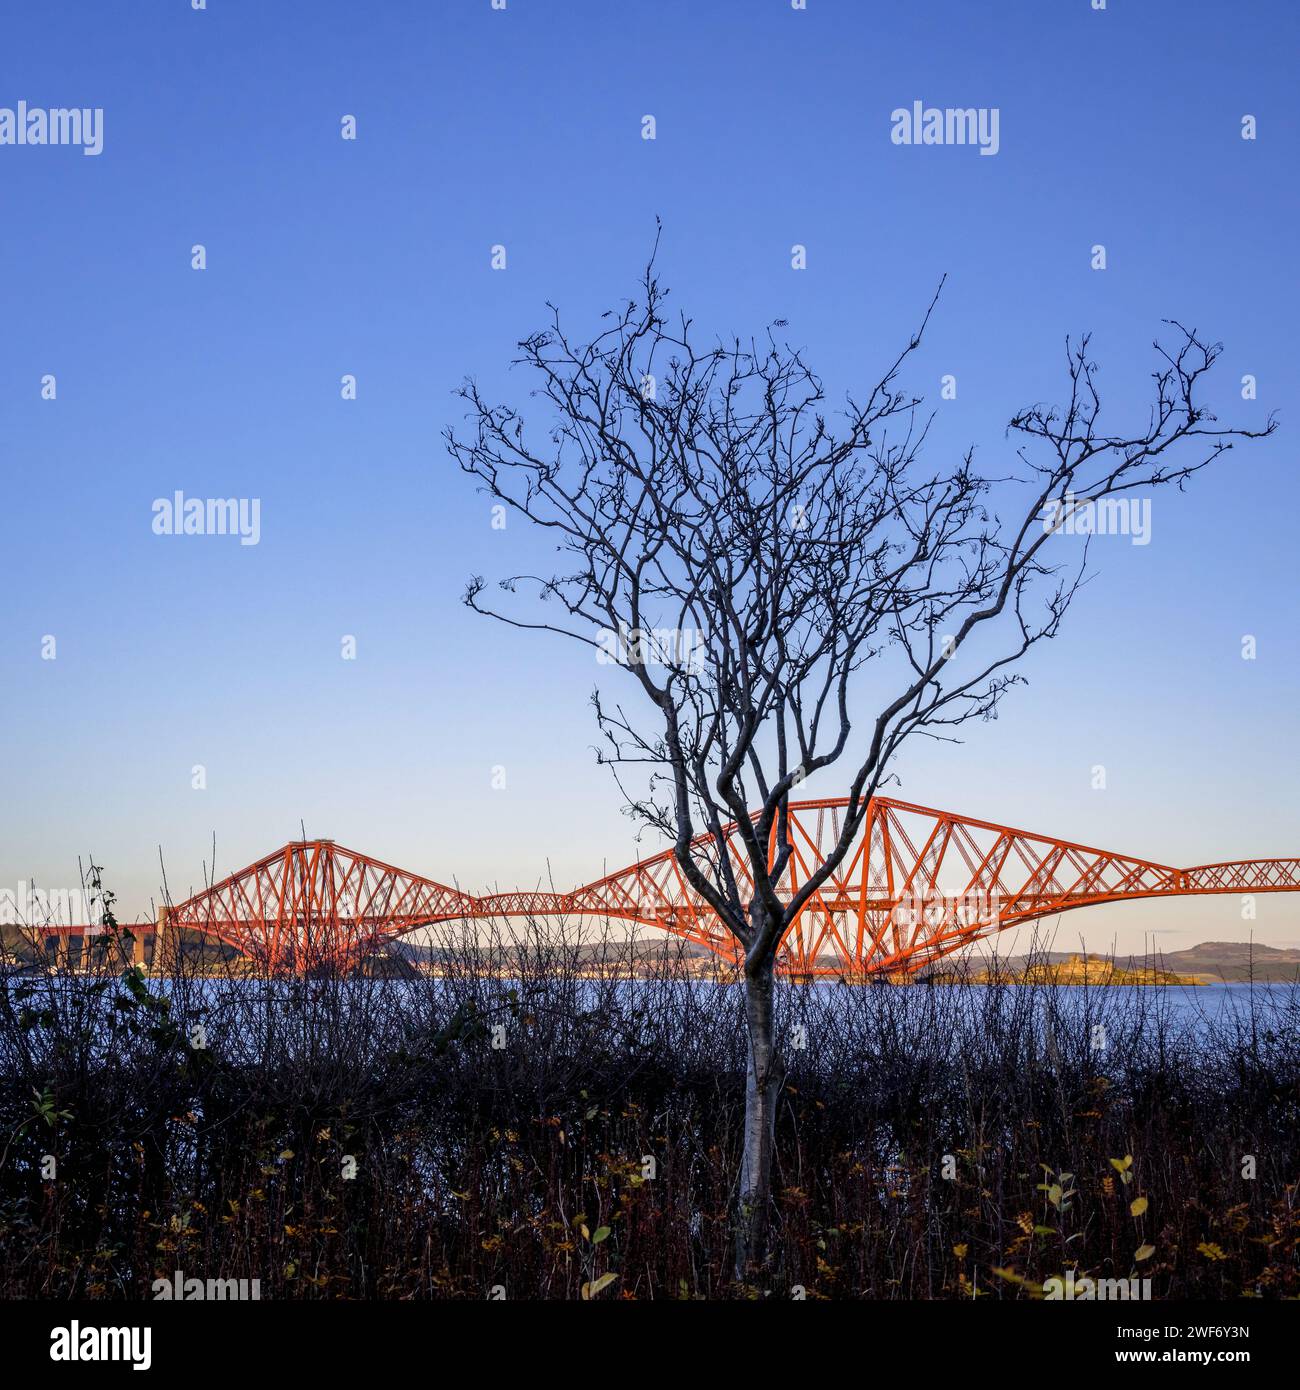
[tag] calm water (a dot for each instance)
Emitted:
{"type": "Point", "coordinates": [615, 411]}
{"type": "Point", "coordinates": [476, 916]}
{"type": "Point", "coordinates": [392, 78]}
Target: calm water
{"type": "Point", "coordinates": [1273, 1008]}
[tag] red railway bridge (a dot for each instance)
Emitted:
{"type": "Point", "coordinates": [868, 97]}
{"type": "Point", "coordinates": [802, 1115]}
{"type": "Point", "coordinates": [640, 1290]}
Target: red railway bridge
{"type": "Point", "coordinates": [916, 885]}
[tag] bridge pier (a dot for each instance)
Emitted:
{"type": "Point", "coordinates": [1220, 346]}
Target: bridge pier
{"type": "Point", "coordinates": [163, 959]}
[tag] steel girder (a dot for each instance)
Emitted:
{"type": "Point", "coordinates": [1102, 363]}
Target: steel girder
{"type": "Point", "coordinates": [916, 884]}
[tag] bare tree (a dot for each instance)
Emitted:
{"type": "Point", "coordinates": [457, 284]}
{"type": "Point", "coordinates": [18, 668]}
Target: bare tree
{"type": "Point", "coordinates": [757, 563]}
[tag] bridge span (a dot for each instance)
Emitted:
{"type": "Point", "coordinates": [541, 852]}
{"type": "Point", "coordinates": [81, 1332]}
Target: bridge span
{"type": "Point", "coordinates": [916, 885]}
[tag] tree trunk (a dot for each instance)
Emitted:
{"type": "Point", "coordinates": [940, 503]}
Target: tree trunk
{"type": "Point", "coordinates": [764, 1079]}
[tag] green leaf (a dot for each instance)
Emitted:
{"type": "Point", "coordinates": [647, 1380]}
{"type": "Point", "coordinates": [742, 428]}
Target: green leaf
{"type": "Point", "coordinates": [601, 1233]}
{"type": "Point", "coordinates": [589, 1291]}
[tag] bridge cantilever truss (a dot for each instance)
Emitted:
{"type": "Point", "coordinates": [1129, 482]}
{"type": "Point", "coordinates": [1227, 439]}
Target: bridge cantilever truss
{"type": "Point", "coordinates": [916, 885]}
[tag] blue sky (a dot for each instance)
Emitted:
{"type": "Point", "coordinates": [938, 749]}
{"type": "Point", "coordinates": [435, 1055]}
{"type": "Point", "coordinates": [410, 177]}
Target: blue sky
{"type": "Point", "coordinates": [522, 127]}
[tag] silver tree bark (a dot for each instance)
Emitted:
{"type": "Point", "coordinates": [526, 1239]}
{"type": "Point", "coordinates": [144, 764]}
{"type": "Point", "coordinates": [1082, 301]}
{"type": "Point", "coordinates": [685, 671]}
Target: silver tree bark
{"type": "Point", "coordinates": [764, 1080]}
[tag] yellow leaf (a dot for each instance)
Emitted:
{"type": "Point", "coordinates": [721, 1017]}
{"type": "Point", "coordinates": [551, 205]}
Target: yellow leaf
{"type": "Point", "coordinates": [1137, 1206]}
{"type": "Point", "coordinates": [959, 1251]}
{"type": "Point", "coordinates": [1144, 1252]}
{"type": "Point", "coordinates": [1012, 1277]}
{"type": "Point", "coordinates": [589, 1291]}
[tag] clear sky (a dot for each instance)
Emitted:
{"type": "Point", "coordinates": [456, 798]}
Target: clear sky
{"type": "Point", "coordinates": [523, 127]}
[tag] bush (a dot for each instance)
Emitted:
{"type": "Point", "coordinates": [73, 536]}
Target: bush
{"type": "Point", "coordinates": [516, 1125]}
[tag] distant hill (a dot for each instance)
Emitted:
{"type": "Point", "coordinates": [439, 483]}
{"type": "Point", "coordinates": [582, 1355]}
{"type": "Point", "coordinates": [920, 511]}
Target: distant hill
{"type": "Point", "coordinates": [1210, 963]}
{"type": "Point", "coordinates": [1234, 962]}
